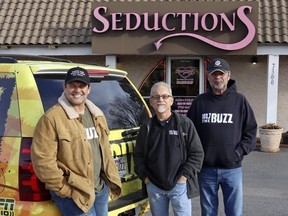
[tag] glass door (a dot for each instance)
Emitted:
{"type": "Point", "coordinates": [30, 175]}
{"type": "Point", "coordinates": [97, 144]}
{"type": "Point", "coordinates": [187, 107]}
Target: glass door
{"type": "Point", "coordinates": [185, 77]}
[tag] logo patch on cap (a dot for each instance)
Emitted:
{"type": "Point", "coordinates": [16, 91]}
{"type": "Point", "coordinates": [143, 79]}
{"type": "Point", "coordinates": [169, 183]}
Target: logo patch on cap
{"type": "Point", "coordinates": [218, 65]}
{"type": "Point", "coordinates": [77, 73]}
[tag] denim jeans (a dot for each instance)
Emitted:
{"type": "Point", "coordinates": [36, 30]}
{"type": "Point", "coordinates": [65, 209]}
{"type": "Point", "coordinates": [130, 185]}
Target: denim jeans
{"type": "Point", "coordinates": [159, 200]}
{"type": "Point", "coordinates": [68, 207]}
{"type": "Point", "coordinates": [230, 181]}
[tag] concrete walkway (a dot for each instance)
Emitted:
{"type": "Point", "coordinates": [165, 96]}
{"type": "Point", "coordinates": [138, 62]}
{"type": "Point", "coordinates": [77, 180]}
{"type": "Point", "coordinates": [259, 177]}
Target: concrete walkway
{"type": "Point", "coordinates": [265, 178]}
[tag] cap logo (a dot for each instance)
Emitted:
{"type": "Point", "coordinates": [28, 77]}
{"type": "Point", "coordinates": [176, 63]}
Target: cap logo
{"type": "Point", "coordinates": [77, 73]}
{"type": "Point", "coordinates": [218, 63]}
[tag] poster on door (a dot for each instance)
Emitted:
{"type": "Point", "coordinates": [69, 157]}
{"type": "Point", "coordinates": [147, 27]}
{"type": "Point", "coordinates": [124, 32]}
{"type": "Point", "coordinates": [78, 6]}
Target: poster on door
{"type": "Point", "coordinates": [185, 75]}
{"type": "Point", "coordinates": [182, 104]}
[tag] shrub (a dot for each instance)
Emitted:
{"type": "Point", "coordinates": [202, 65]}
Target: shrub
{"type": "Point", "coordinates": [271, 126]}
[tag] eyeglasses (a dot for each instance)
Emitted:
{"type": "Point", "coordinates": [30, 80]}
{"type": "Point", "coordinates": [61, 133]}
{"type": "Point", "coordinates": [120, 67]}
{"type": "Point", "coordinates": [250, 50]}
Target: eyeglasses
{"type": "Point", "coordinates": [157, 97]}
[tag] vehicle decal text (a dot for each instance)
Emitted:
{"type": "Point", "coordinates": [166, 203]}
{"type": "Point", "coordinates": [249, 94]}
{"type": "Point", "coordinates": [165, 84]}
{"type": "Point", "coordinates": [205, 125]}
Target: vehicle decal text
{"type": "Point", "coordinates": [7, 207]}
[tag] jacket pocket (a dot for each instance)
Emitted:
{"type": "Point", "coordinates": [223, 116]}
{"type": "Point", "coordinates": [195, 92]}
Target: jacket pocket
{"type": "Point", "coordinates": [81, 183]}
{"type": "Point", "coordinates": [70, 146]}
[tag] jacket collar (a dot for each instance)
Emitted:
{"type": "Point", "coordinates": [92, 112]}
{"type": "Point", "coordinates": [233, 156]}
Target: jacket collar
{"type": "Point", "coordinates": [71, 112]}
{"type": "Point", "coordinates": [174, 115]}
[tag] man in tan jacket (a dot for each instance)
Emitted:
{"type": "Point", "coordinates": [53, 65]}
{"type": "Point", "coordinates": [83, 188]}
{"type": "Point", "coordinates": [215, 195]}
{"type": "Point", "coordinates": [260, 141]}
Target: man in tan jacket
{"type": "Point", "coordinates": [71, 151]}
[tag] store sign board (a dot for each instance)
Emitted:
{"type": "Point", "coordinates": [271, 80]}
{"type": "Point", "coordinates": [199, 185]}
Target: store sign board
{"type": "Point", "coordinates": [150, 28]}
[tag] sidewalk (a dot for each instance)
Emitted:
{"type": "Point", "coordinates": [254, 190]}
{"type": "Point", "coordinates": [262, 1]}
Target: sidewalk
{"type": "Point", "coordinates": [265, 179]}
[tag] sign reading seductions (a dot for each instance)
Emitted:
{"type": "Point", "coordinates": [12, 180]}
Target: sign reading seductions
{"type": "Point", "coordinates": [174, 28]}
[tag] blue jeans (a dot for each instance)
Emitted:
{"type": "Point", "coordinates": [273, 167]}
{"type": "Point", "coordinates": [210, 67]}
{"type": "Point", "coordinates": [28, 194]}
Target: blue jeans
{"type": "Point", "coordinates": [230, 181]}
{"type": "Point", "coordinates": [159, 200]}
{"type": "Point", "coordinates": [68, 207]}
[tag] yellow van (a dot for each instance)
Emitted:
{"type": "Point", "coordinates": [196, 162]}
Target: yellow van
{"type": "Point", "coordinates": [27, 89]}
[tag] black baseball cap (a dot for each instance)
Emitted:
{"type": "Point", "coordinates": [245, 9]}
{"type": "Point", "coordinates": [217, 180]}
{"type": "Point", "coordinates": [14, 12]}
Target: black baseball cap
{"type": "Point", "coordinates": [77, 74]}
{"type": "Point", "coordinates": [218, 64]}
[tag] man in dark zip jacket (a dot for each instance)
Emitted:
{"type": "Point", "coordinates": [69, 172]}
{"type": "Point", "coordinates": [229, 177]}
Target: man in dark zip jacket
{"type": "Point", "coordinates": [168, 156]}
{"type": "Point", "coordinates": [227, 128]}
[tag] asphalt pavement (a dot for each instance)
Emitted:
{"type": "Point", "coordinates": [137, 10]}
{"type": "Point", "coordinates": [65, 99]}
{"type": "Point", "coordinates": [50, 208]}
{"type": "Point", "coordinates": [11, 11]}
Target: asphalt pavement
{"type": "Point", "coordinates": [265, 179]}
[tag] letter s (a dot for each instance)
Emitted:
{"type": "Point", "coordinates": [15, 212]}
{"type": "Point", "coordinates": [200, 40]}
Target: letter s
{"type": "Point", "coordinates": [101, 19]}
{"type": "Point", "coordinates": [248, 23]}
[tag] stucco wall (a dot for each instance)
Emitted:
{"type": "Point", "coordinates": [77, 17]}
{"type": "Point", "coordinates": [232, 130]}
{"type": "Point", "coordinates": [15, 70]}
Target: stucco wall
{"type": "Point", "coordinates": [138, 66]}
{"type": "Point", "coordinates": [251, 82]}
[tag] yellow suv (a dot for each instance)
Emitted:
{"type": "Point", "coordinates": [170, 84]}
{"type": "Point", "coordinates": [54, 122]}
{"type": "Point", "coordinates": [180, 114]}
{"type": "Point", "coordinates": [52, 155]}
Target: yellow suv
{"type": "Point", "coordinates": [27, 89]}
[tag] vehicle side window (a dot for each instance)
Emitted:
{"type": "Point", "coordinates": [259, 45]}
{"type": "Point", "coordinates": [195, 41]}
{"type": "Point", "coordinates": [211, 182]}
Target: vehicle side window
{"type": "Point", "coordinates": [115, 96]}
{"type": "Point", "coordinates": [9, 114]}
{"type": "Point", "coordinates": [119, 101]}
{"type": "Point", "coordinates": [50, 90]}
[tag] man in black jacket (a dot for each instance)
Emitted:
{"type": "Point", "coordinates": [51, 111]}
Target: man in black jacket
{"type": "Point", "coordinates": [227, 128]}
{"type": "Point", "coordinates": [168, 156]}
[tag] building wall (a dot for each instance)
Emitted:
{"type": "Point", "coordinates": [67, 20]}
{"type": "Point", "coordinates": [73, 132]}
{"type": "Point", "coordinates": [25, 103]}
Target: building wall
{"type": "Point", "coordinates": [138, 66]}
{"type": "Point", "coordinates": [98, 60]}
{"type": "Point", "coordinates": [251, 82]}
{"type": "Point", "coordinates": [283, 93]}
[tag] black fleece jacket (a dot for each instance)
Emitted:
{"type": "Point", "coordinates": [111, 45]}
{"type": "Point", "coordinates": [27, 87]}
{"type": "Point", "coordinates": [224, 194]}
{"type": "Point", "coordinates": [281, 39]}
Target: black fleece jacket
{"type": "Point", "coordinates": [226, 125]}
{"type": "Point", "coordinates": [189, 153]}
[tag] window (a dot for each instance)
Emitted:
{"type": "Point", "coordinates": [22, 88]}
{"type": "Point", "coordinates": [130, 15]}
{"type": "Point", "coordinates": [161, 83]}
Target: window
{"type": "Point", "coordinates": [115, 96]}
{"type": "Point", "coordinates": [155, 75]}
{"type": "Point", "coordinates": [183, 75]}
{"type": "Point", "coordinates": [9, 115]}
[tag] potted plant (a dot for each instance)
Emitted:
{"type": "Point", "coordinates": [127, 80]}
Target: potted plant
{"type": "Point", "coordinates": [270, 137]}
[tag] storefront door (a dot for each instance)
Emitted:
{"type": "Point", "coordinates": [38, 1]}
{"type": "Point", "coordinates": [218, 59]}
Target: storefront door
{"type": "Point", "coordinates": [185, 75]}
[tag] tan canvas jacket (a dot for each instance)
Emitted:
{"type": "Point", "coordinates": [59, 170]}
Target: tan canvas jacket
{"type": "Point", "coordinates": [62, 155]}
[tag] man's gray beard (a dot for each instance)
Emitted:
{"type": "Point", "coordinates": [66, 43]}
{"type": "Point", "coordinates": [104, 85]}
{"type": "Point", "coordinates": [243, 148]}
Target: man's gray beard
{"type": "Point", "coordinates": [161, 109]}
{"type": "Point", "coordinates": [219, 86]}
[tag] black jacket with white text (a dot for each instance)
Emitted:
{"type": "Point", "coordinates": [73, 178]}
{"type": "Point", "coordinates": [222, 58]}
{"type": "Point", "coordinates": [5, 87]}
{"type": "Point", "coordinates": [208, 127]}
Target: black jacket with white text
{"type": "Point", "coordinates": [226, 126]}
{"type": "Point", "coordinates": [184, 159]}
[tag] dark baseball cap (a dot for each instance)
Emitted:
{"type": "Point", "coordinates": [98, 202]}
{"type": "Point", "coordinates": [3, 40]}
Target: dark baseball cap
{"type": "Point", "coordinates": [218, 64]}
{"type": "Point", "coordinates": [77, 74]}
